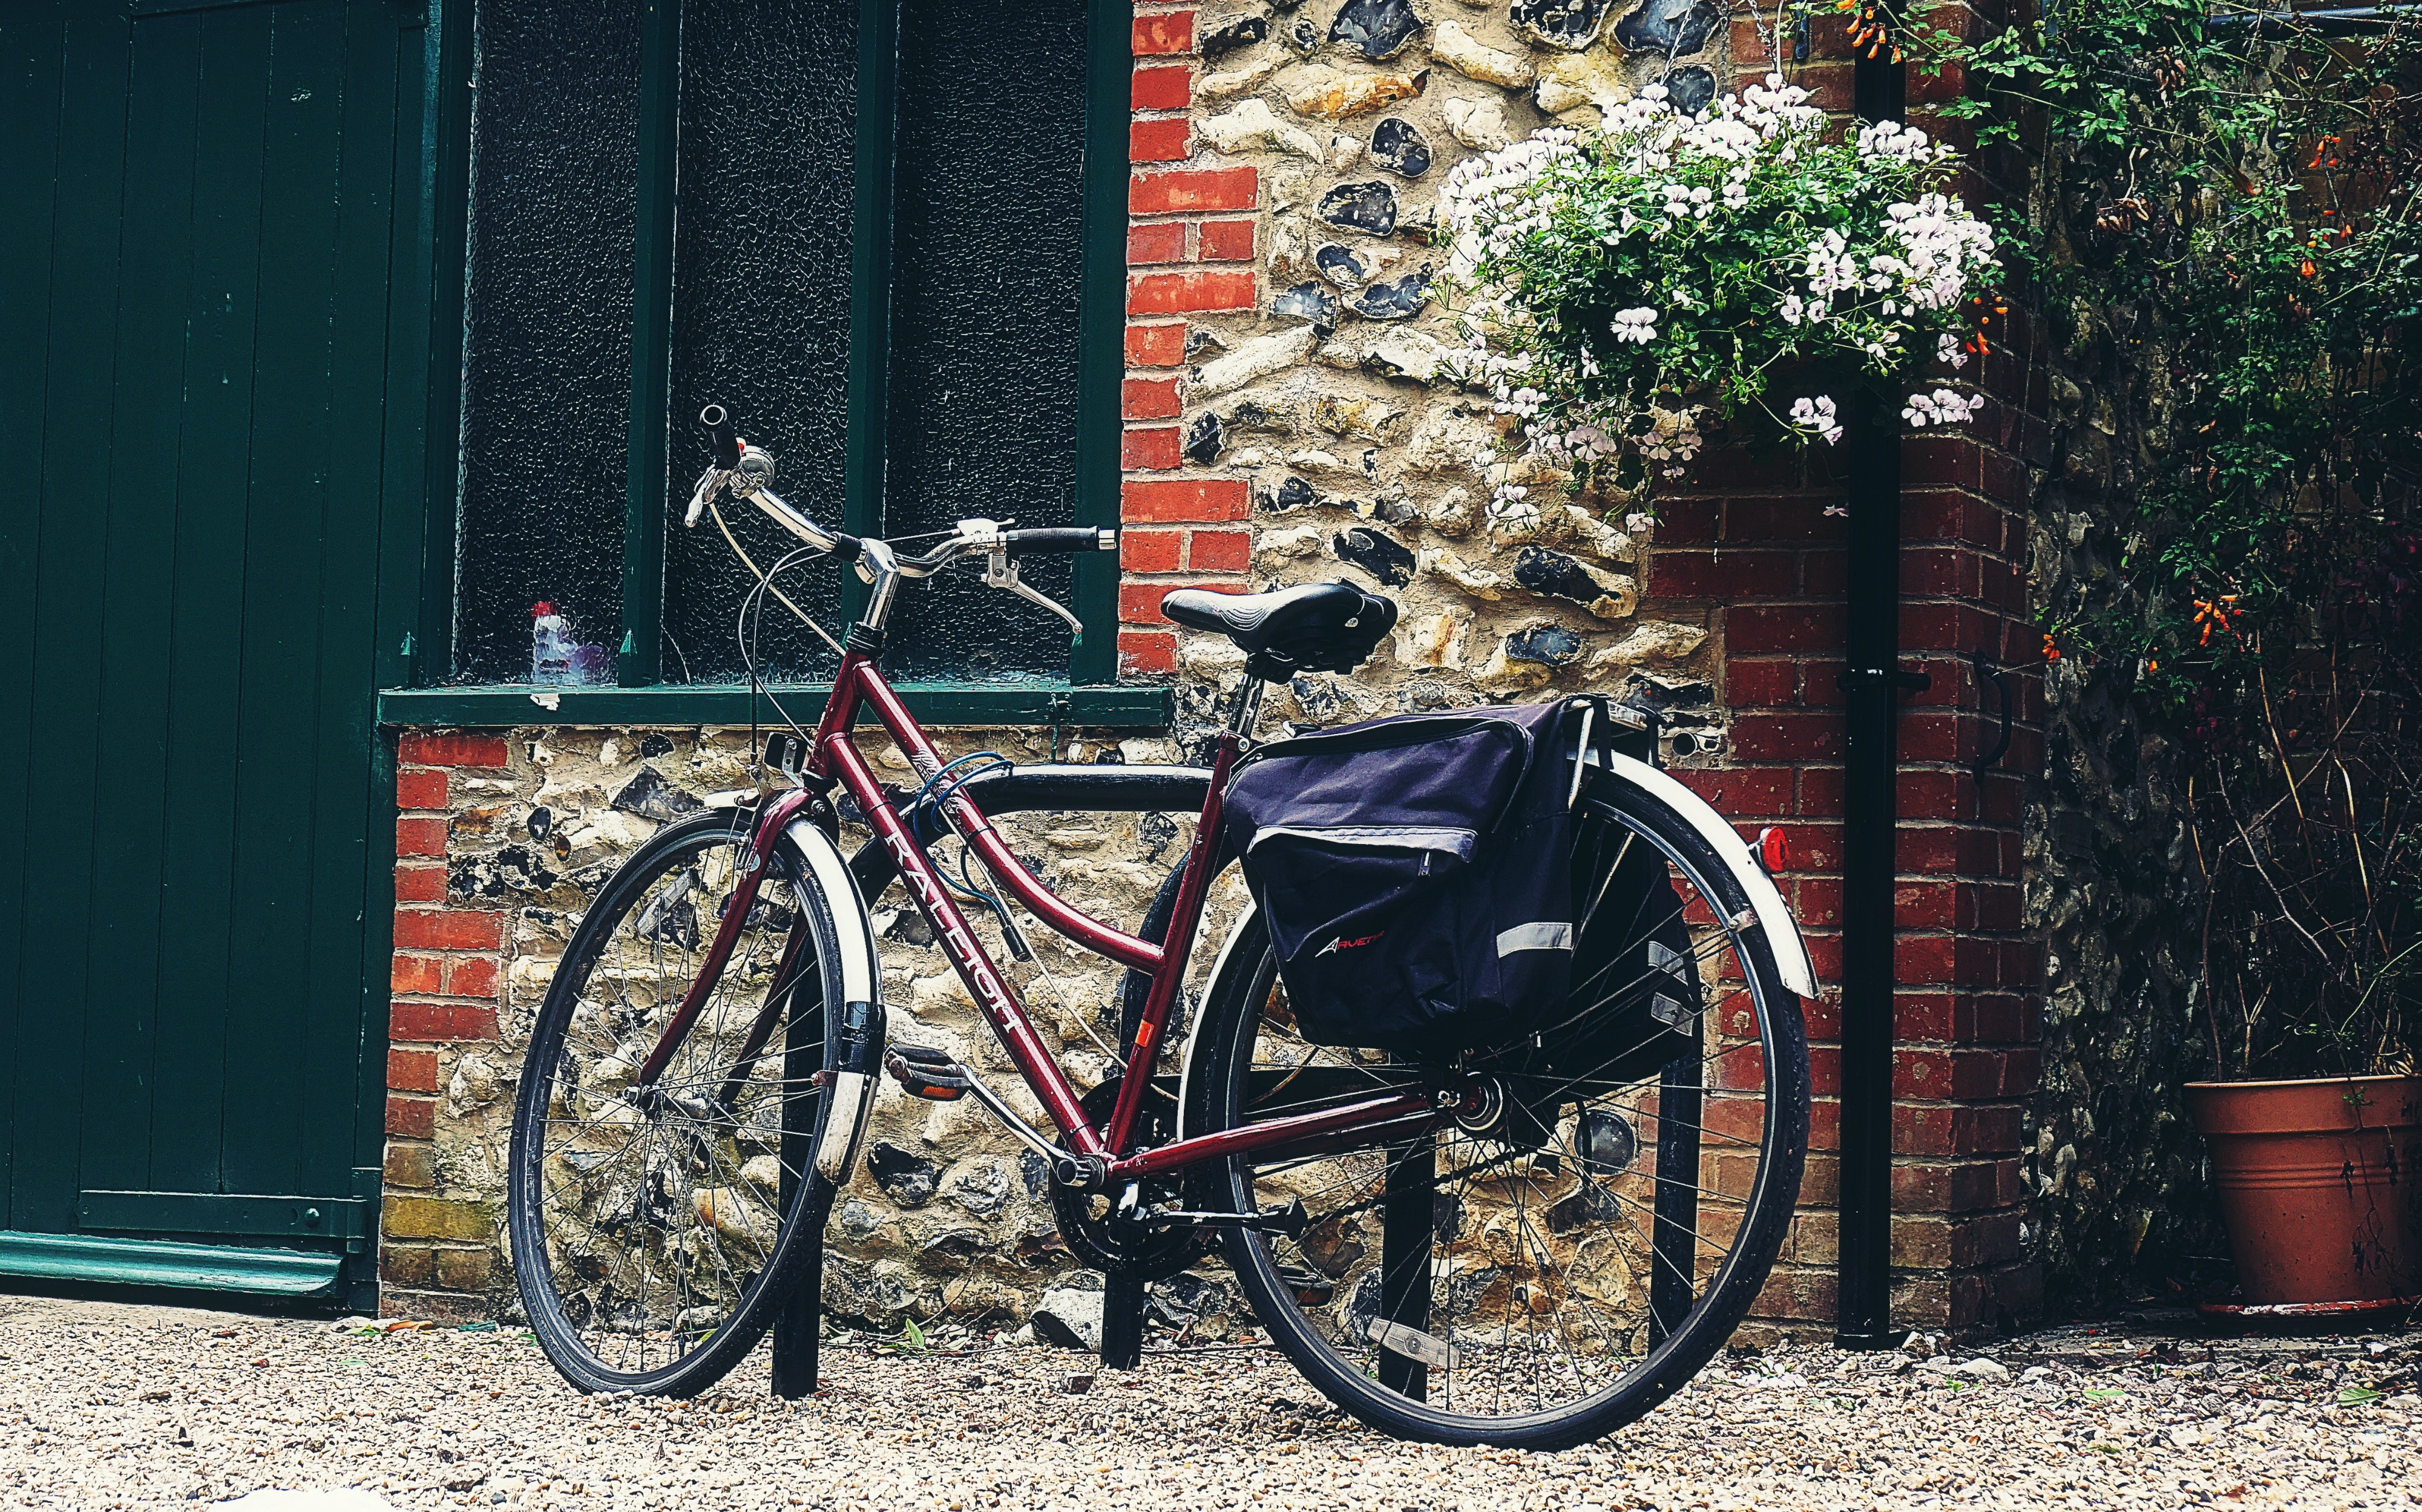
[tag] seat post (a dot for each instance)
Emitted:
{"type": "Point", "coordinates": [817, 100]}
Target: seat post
{"type": "Point", "coordinates": [1245, 710]}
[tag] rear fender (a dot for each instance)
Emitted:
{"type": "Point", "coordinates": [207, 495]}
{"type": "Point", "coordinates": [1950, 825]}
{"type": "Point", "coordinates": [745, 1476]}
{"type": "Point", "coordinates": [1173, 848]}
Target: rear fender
{"type": "Point", "coordinates": [1765, 900]}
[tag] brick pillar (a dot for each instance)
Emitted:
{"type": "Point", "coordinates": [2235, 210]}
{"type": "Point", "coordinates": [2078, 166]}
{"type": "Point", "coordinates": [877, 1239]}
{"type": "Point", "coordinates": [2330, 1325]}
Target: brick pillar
{"type": "Point", "coordinates": [1190, 246]}
{"type": "Point", "coordinates": [443, 986]}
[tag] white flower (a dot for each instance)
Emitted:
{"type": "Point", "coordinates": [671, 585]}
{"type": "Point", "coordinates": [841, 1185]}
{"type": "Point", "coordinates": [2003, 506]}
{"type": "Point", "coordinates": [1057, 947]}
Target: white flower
{"type": "Point", "coordinates": [1817, 414]}
{"type": "Point", "coordinates": [1639, 324]}
{"type": "Point", "coordinates": [1942, 407]}
{"type": "Point", "coordinates": [1947, 348]}
{"type": "Point", "coordinates": [1793, 309]}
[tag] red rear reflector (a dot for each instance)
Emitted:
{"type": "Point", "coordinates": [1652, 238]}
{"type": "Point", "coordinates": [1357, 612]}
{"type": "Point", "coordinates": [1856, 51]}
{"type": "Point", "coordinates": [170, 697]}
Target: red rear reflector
{"type": "Point", "coordinates": [1774, 851]}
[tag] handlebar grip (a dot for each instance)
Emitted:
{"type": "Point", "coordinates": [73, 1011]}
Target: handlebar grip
{"type": "Point", "coordinates": [1062, 540]}
{"type": "Point", "coordinates": [718, 421]}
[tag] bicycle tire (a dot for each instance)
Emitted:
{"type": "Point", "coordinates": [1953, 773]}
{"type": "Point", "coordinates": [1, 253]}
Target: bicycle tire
{"type": "Point", "coordinates": [1312, 1304]}
{"type": "Point", "coordinates": [573, 1326]}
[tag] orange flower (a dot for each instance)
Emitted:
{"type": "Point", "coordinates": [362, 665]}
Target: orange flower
{"type": "Point", "coordinates": [2052, 648]}
{"type": "Point", "coordinates": [2215, 614]}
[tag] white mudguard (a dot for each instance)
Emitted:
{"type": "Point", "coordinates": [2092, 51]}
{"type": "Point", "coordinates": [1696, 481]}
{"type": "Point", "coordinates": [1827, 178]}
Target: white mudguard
{"type": "Point", "coordinates": [1774, 915]}
{"type": "Point", "coordinates": [859, 1020]}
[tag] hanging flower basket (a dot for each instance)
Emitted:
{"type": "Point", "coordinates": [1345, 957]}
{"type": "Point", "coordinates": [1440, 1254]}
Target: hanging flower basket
{"type": "Point", "coordinates": [1621, 289]}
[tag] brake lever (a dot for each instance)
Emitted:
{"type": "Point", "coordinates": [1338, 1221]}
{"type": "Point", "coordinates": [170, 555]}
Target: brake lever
{"type": "Point", "coordinates": [709, 483]}
{"type": "Point", "coordinates": [1000, 571]}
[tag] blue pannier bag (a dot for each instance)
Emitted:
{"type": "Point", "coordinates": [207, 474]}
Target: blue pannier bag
{"type": "Point", "coordinates": [1415, 873]}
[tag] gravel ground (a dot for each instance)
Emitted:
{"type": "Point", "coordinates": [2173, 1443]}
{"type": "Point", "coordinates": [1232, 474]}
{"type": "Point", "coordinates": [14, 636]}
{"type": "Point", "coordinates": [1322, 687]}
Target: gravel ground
{"type": "Point", "coordinates": [106, 1405]}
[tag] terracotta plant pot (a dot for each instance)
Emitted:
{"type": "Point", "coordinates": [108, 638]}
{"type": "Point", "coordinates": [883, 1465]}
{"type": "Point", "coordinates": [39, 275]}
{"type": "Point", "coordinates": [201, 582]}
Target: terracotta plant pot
{"type": "Point", "coordinates": [2318, 1184]}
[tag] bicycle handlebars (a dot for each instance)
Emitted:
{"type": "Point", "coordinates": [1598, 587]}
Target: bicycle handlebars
{"type": "Point", "coordinates": [745, 471]}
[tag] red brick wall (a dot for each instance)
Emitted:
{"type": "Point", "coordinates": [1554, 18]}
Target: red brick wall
{"type": "Point", "coordinates": [443, 986]}
{"type": "Point", "coordinates": [1190, 248]}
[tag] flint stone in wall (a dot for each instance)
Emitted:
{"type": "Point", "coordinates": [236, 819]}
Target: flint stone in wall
{"type": "Point", "coordinates": [1406, 354]}
{"type": "Point", "coordinates": [1232, 33]}
{"type": "Point", "coordinates": [1596, 77]}
{"type": "Point", "coordinates": [1676, 28]}
{"type": "Point", "coordinates": [982, 1185]}
{"type": "Point", "coordinates": [1186, 1297]}
{"type": "Point", "coordinates": [474, 1084]}
{"type": "Point", "coordinates": [1306, 302]}
{"type": "Point", "coordinates": [1389, 503]}
{"type": "Point", "coordinates": [1254, 126]}
{"type": "Point", "coordinates": [861, 1220]}
{"type": "Point", "coordinates": [1654, 641]}
{"type": "Point", "coordinates": [1262, 412]}
{"type": "Point", "coordinates": [1398, 146]}
{"type": "Point", "coordinates": [1458, 50]}
{"type": "Point", "coordinates": [1234, 82]}
{"type": "Point", "coordinates": [1433, 641]}
{"type": "Point", "coordinates": [1375, 552]}
{"type": "Point", "coordinates": [1448, 439]}
{"type": "Point", "coordinates": [1369, 208]}
{"type": "Point", "coordinates": [1302, 37]}
{"type": "Point", "coordinates": [1478, 124]}
{"type": "Point", "coordinates": [1551, 646]}
{"type": "Point", "coordinates": [1256, 359]}
{"type": "Point", "coordinates": [1313, 460]}
{"type": "Point", "coordinates": [1331, 94]}
{"type": "Point", "coordinates": [513, 869]}
{"type": "Point", "coordinates": [952, 1250]}
{"type": "Point", "coordinates": [1555, 575]}
{"type": "Point", "coordinates": [1479, 581]}
{"type": "Point", "coordinates": [1456, 512]}
{"type": "Point", "coordinates": [1206, 439]}
{"type": "Point", "coordinates": [1363, 419]}
{"type": "Point", "coordinates": [650, 796]}
{"type": "Point", "coordinates": [1693, 90]}
{"type": "Point", "coordinates": [1305, 540]}
{"type": "Point", "coordinates": [1399, 300]}
{"type": "Point", "coordinates": [909, 1179]}
{"type": "Point", "coordinates": [1668, 695]}
{"type": "Point", "coordinates": [1571, 24]}
{"type": "Point", "coordinates": [1340, 266]}
{"type": "Point", "coordinates": [1377, 29]}
{"type": "Point", "coordinates": [1292, 493]}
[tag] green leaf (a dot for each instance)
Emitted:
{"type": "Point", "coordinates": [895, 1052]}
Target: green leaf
{"type": "Point", "coordinates": [2356, 1395]}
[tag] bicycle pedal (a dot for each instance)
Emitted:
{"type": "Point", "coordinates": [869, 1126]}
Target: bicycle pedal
{"type": "Point", "coordinates": [926, 1073]}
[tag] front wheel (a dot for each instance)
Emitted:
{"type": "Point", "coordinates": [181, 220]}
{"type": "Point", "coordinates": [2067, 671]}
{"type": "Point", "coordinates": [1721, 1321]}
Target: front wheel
{"type": "Point", "coordinates": [655, 1230]}
{"type": "Point", "coordinates": [1566, 1256]}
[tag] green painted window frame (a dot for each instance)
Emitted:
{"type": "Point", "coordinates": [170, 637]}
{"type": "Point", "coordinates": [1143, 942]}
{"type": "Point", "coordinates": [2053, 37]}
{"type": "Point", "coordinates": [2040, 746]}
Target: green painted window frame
{"type": "Point", "coordinates": [1089, 695]}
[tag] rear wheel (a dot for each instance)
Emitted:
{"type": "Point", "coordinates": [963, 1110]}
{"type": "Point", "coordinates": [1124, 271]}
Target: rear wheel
{"type": "Point", "coordinates": [1570, 1252]}
{"type": "Point", "coordinates": [655, 1231]}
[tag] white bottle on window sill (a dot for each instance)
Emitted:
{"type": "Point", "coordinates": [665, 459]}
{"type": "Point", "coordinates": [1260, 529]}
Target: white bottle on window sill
{"type": "Point", "coordinates": [550, 646]}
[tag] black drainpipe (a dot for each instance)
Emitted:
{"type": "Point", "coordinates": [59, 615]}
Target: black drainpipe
{"type": "Point", "coordinates": [1872, 680]}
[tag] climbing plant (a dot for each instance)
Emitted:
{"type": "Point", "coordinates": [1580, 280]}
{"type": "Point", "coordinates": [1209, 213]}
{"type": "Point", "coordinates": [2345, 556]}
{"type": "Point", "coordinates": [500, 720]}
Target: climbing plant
{"type": "Point", "coordinates": [2231, 196]}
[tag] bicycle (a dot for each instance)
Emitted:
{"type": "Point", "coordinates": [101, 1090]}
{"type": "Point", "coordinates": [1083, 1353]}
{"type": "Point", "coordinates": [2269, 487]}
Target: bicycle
{"type": "Point", "coordinates": [1495, 1248]}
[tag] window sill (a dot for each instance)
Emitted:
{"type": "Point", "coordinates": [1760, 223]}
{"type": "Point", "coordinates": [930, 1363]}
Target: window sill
{"type": "Point", "coordinates": [936, 704]}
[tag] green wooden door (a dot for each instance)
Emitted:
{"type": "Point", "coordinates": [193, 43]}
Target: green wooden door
{"type": "Point", "coordinates": [214, 327]}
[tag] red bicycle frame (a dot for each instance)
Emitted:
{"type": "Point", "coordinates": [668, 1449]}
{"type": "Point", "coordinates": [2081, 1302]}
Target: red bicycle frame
{"type": "Point", "coordinates": [858, 685]}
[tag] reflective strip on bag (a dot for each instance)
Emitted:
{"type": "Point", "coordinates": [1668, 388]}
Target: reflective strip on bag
{"type": "Point", "coordinates": [1459, 843]}
{"type": "Point", "coordinates": [1535, 937]}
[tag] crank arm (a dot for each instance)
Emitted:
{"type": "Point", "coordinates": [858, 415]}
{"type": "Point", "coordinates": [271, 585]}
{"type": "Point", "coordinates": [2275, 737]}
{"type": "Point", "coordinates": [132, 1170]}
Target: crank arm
{"type": "Point", "coordinates": [1289, 1220]}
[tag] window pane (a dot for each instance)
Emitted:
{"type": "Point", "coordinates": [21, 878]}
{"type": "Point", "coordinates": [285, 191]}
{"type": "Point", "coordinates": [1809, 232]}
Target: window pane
{"type": "Point", "coordinates": [760, 313]}
{"type": "Point", "coordinates": [988, 231]}
{"type": "Point", "coordinates": [547, 363]}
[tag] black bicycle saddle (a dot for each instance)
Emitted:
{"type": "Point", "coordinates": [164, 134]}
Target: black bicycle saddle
{"type": "Point", "coordinates": [1320, 627]}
